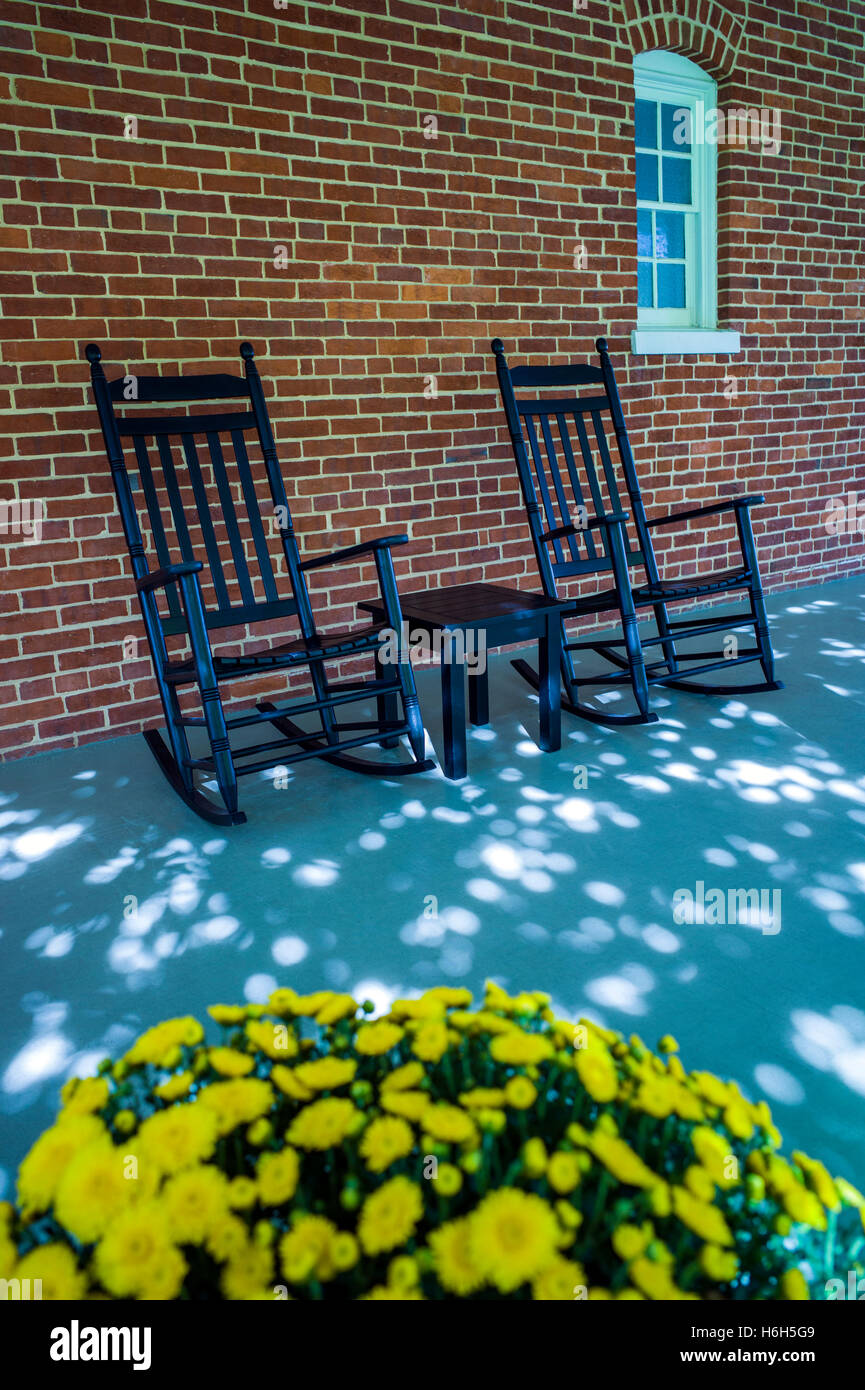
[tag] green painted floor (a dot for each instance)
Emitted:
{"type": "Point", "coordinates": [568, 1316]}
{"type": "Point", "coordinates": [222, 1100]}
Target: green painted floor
{"type": "Point", "coordinates": [120, 907]}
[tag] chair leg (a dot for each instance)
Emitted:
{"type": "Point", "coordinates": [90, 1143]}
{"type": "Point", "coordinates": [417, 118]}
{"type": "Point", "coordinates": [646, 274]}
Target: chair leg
{"type": "Point", "coordinates": [386, 705]}
{"type": "Point", "coordinates": [211, 704]}
{"type": "Point", "coordinates": [745, 527]}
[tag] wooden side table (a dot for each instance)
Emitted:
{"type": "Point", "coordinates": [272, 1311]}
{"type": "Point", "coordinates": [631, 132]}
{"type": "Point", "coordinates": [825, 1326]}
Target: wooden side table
{"type": "Point", "coordinates": [505, 617]}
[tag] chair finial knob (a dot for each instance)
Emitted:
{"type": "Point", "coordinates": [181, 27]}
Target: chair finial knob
{"type": "Point", "coordinates": [93, 354]}
{"type": "Point", "coordinates": [601, 344]}
{"type": "Point", "coordinates": [247, 351]}
{"type": "Point", "coordinates": [497, 346]}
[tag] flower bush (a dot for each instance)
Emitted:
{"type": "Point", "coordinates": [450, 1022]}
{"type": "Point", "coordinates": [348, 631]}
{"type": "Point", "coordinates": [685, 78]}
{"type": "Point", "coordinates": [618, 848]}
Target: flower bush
{"type": "Point", "coordinates": [438, 1152]}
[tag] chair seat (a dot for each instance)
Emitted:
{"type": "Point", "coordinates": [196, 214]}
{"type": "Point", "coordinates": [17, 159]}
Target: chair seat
{"type": "Point", "coordinates": [333, 645]}
{"type": "Point", "coordinates": [666, 589]}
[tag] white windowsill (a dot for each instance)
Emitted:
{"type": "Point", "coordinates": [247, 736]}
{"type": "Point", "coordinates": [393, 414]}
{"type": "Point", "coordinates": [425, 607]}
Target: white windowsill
{"type": "Point", "coordinates": [683, 340]}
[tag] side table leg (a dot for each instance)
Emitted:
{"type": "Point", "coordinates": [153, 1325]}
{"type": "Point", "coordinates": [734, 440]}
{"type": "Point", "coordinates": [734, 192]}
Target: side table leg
{"type": "Point", "coordinates": [453, 710]}
{"type": "Point", "coordinates": [549, 661]}
{"type": "Point", "coordinates": [479, 695]}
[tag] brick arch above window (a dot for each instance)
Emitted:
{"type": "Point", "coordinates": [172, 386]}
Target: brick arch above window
{"type": "Point", "coordinates": [709, 33]}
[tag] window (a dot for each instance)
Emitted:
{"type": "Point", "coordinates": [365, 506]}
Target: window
{"type": "Point", "coordinates": [677, 307]}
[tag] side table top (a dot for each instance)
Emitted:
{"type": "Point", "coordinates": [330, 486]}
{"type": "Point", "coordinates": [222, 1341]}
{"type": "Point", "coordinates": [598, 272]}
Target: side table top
{"type": "Point", "coordinates": [457, 604]}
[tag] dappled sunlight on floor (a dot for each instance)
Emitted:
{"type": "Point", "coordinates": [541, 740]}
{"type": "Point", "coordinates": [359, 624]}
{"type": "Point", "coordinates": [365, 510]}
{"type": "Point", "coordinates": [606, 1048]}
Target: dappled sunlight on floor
{"type": "Point", "coordinates": [555, 871]}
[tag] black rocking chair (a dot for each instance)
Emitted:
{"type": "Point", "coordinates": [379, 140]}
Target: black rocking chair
{"type": "Point", "coordinates": [569, 507]}
{"type": "Point", "coordinates": [208, 515]}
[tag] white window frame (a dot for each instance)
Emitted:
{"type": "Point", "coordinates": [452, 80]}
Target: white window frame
{"type": "Point", "coordinates": [661, 76]}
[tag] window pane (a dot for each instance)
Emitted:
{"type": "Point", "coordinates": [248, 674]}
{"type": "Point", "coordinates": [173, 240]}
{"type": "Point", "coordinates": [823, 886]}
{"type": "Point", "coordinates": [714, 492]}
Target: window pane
{"type": "Point", "coordinates": [676, 128]}
{"type": "Point", "coordinates": [647, 177]}
{"type": "Point", "coordinates": [669, 236]}
{"type": "Point", "coordinates": [644, 232]}
{"type": "Point", "coordinates": [677, 180]}
{"type": "Point", "coordinates": [644, 285]}
{"type": "Point", "coordinates": [647, 124]}
{"type": "Point", "coordinates": [671, 286]}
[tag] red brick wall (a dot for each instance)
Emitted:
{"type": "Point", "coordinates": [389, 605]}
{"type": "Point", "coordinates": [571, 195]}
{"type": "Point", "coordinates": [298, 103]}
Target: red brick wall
{"type": "Point", "coordinates": [304, 126]}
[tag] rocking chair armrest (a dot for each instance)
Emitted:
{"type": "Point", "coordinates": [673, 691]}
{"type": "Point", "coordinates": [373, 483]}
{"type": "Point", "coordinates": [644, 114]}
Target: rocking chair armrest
{"type": "Point", "coordinates": [729, 504]}
{"type": "Point", "coordinates": [336, 557]}
{"type": "Point", "coordinates": [159, 578]}
{"type": "Point", "coordinates": [560, 532]}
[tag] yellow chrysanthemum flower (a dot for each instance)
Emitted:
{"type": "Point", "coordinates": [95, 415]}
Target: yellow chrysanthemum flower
{"type": "Point", "coordinates": [286, 1080]}
{"type": "Point", "coordinates": [514, 1236]}
{"type": "Point", "coordinates": [715, 1154]}
{"type": "Point", "coordinates": [483, 1097]}
{"type": "Point", "coordinates": [699, 1181]}
{"type": "Point", "coordinates": [738, 1120]}
{"type": "Point", "coordinates": [175, 1088]}
{"type": "Point", "coordinates": [449, 1179]}
{"type": "Point", "coordinates": [558, 1281]}
{"type": "Point", "coordinates": [428, 1006]}
{"type": "Point", "coordinates": [403, 1272]}
{"type": "Point", "coordinates": [135, 1243]}
{"type": "Point", "coordinates": [242, 1193]}
{"type": "Point", "coordinates": [327, 1073]}
{"type": "Point", "coordinates": [452, 996]}
{"type": "Point", "coordinates": [305, 1251]}
{"type": "Point", "coordinates": [619, 1159]}
{"type": "Point", "coordinates": [338, 1007]}
{"type": "Point", "coordinates": [275, 1040]}
{"type": "Point", "coordinates": [248, 1274]}
{"type": "Point", "coordinates": [227, 1238]}
{"type": "Point", "coordinates": [722, 1266]}
{"type": "Point", "coordinates": [630, 1241]}
{"type": "Point", "coordinates": [404, 1078]}
{"type": "Point", "coordinates": [42, 1169]}
{"type": "Point", "coordinates": [94, 1188]}
{"type": "Point", "coordinates": [374, 1039]}
{"type": "Point", "coordinates": [165, 1279]}
{"type": "Point", "coordinates": [277, 1176]}
{"type": "Point", "coordinates": [700, 1217]}
{"type": "Point", "coordinates": [518, 1049]}
{"type": "Point", "coordinates": [324, 1124]}
{"type": "Point", "coordinates": [449, 1124]}
{"type": "Point", "coordinates": [157, 1043]}
{"type": "Point", "coordinates": [178, 1137]}
{"type": "Point", "coordinates": [227, 1062]}
{"type": "Point", "coordinates": [818, 1179]}
{"type": "Point", "coordinates": [597, 1072]}
{"type": "Point", "coordinates": [411, 1105]}
{"type": "Point", "coordinates": [520, 1093]}
{"type": "Point", "coordinates": [654, 1280]}
{"type": "Point", "coordinates": [384, 1141]}
{"type": "Point", "coordinates": [803, 1206]}
{"type": "Point", "coordinates": [388, 1216]}
{"type": "Point", "coordinates": [534, 1157]}
{"type": "Point", "coordinates": [194, 1201]}
{"type": "Point", "coordinates": [793, 1286]}
{"type": "Point", "coordinates": [227, 1014]}
{"type": "Point", "coordinates": [84, 1095]}
{"type": "Point", "coordinates": [430, 1041]}
{"type": "Point", "coordinates": [452, 1257]}
{"type": "Point", "coordinates": [56, 1266]}
{"type": "Point", "coordinates": [344, 1251]}
{"type": "Point", "coordinates": [236, 1102]}
{"type": "Point", "coordinates": [717, 1092]}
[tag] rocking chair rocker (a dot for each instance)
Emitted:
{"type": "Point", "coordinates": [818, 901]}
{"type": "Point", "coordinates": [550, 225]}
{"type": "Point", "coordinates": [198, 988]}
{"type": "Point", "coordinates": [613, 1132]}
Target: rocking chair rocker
{"type": "Point", "coordinates": [203, 517]}
{"type": "Point", "coordinates": [582, 503]}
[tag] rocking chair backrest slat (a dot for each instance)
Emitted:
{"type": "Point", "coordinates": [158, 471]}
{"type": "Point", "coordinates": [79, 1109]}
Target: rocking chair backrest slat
{"type": "Point", "coordinates": [560, 477]}
{"type": "Point", "coordinates": [574, 476]}
{"type": "Point", "coordinates": [204, 494]}
{"type": "Point", "coordinates": [229, 517]}
{"type": "Point", "coordinates": [199, 492]}
{"type": "Point", "coordinates": [258, 539]}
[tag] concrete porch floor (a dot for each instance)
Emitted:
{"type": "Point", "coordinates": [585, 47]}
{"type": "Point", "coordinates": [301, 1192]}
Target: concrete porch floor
{"type": "Point", "coordinates": [120, 907]}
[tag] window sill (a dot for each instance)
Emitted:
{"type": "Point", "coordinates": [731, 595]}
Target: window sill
{"type": "Point", "coordinates": [656, 341]}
